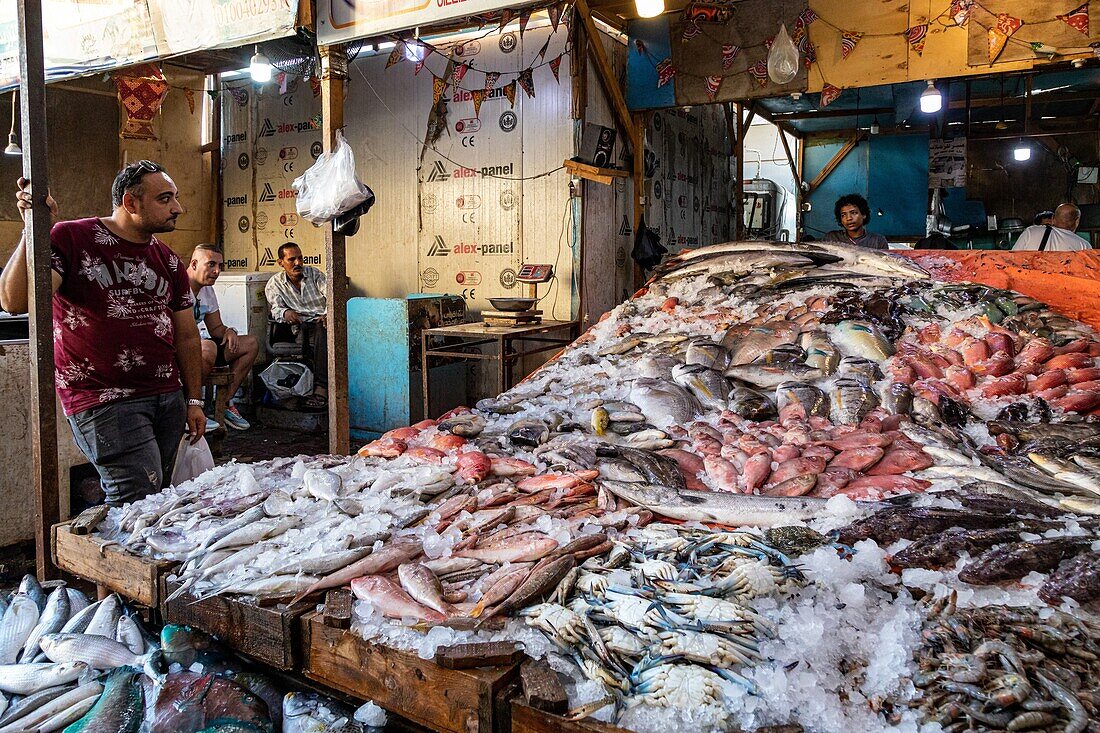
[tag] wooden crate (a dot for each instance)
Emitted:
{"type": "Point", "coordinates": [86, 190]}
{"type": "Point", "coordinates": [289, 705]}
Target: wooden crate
{"type": "Point", "coordinates": [269, 634]}
{"type": "Point", "coordinates": [526, 719]}
{"type": "Point", "coordinates": [446, 700]}
{"type": "Point", "coordinates": [135, 578]}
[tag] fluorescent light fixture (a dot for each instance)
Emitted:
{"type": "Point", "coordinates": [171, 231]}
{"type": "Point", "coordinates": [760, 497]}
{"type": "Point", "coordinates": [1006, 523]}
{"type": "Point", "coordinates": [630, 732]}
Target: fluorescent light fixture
{"type": "Point", "coordinates": [259, 67]}
{"type": "Point", "coordinates": [649, 8]}
{"type": "Point", "coordinates": [931, 101]}
{"type": "Point", "coordinates": [1022, 152]}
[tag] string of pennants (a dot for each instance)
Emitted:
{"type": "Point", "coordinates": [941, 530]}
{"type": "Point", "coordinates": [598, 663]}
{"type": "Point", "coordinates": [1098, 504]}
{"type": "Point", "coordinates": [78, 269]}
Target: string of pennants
{"type": "Point", "coordinates": [456, 71]}
{"type": "Point", "coordinates": [697, 16]}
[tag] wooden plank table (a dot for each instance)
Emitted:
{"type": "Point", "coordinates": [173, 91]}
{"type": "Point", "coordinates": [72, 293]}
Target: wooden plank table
{"type": "Point", "coordinates": [446, 700]}
{"type": "Point", "coordinates": [505, 338]}
{"type": "Point", "coordinates": [88, 556]}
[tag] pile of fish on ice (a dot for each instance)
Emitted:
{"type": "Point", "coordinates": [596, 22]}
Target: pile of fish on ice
{"type": "Point", "coordinates": [752, 385]}
{"type": "Point", "coordinates": [67, 664]}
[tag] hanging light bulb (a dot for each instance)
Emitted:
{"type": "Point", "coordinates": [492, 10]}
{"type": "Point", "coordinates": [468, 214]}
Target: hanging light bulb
{"type": "Point", "coordinates": [875, 129]}
{"type": "Point", "coordinates": [13, 146]}
{"type": "Point", "coordinates": [1022, 151]}
{"type": "Point", "coordinates": [931, 100]}
{"type": "Point", "coordinates": [414, 49]}
{"type": "Point", "coordinates": [649, 8]}
{"type": "Point", "coordinates": [259, 67]}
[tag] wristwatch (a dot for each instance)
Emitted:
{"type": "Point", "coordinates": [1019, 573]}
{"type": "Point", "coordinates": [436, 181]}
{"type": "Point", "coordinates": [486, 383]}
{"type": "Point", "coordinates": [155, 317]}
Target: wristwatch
{"type": "Point", "coordinates": [194, 403]}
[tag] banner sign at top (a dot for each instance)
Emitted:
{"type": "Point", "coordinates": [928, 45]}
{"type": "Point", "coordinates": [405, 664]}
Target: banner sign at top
{"type": "Point", "coordinates": [339, 21]}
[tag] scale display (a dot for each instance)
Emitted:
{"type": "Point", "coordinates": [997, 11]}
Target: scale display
{"type": "Point", "coordinates": [535, 273]}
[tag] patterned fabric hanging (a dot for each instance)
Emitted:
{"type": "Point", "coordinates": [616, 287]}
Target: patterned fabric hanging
{"type": "Point", "coordinates": [555, 12]}
{"type": "Point", "coordinates": [545, 46]}
{"type": "Point", "coordinates": [729, 53]}
{"type": "Point", "coordinates": [506, 17]}
{"type": "Point", "coordinates": [491, 79]}
{"type": "Point", "coordinates": [439, 86]}
{"type": "Point", "coordinates": [240, 95]}
{"type": "Point", "coordinates": [524, 17]}
{"type": "Point", "coordinates": [190, 95]}
{"type": "Point", "coordinates": [460, 71]}
{"type": "Point", "coordinates": [478, 95]}
{"type": "Point", "coordinates": [916, 36]}
{"type": "Point", "coordinates": [555, 64]}
{"type": "Point", "coordinates": [141, 91]}
{"type": "Point", "coordinates": [665, 72]}
{"type": "Point", "coordinates": [397, 55]}
{"type": "Point", "coordinates": [691, 30]}
{"type": "Point", "coordinates": [510, 92]}
{"type": "Point", "coordinates": [848, 41]}
{"type": "Point", "coordinates": [1077, 18]}
{"type": "Point", "coordinates": [418, 67]}
{"type": "Point", "coordinates": [829, 93]}
{"type": "Point", "coordinates": [527, 81]}
{"type": "Point", "coordinates": [712, 85]}
{"type": "Point", "coordinates": [960, 11]}
{"type": "Point", "coordinates": [759, 72]}
{"type": "Point", "coordinates": [1000, 33]}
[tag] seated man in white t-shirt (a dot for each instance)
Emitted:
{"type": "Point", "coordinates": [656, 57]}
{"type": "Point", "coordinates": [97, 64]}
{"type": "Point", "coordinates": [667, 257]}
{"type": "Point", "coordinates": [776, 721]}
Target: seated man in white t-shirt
{"type": "Point", "coordinates": [1058, 236]}
{"type": "Point", "coordinates": [221, 345]}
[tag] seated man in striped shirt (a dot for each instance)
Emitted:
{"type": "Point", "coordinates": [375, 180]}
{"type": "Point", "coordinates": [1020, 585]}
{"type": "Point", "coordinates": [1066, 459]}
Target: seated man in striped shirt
{"type": "Point", "coordinates": [297, 296]}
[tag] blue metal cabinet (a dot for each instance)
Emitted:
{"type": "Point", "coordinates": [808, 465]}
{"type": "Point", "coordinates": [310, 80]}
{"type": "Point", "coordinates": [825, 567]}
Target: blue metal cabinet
{"type": "Point", "coordinates": [384, 381]}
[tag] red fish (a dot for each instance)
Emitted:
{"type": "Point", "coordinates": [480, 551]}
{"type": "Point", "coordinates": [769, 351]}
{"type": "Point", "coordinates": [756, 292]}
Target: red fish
{"type": "Point", "coordinates": [1078, 401]}
{"type": "Point", "coordinates": [794, 486]}
{"type": "Point", "coordinates": [959, 377]}
{"type": "Point", "coordinates": [796, 467]}
{"type": "Point", "coordinates": [1047, 380]}
{"type": "Point", "coordinates": [1037, 350]}
{"type": "Point", "coordinates": [509, 467]}
{"type": "Point", "coordinates": [832, 480]}
{"type": "Point", "coordinates": [1011, 384]}
{"type": "Point", "coordinates": [859, 439]}
{"type": "Point", "coordinates": [973, 351]}
{"type": "Point", "coordinates": [447, 442]}
{"type": "Point", "coordinates": [924, 368]}
{"type": "Point", "coordinates": [425, 455]}
{"type": "Point", "coordinates": [857, 459]}
{"type": "Point", "coordinates": [997, 365]}
{"type": "Point", "coordinates": [721, 472]}
{"type": "Point", "coordinates": [888, 483]}
{"type": "Point", "coordinates": [757, 469]}
{"type": "Point", "coordinates": [899, 460]}
{"type": "Point", "coordinates": [391, 599]}
{"type": "Point", "coordinates": [1000, 342]}
{"type": "Point", "coordinates": [473, 466]}
{"type": "Point", "coordinates": [1070, 361]}
{"type": "Point", "coordinates": [670, 304]}
{"type": "Point", "coordinates": [1080, 345]}
{"type": "Point", "coordinates": [690, 466]}
{"type": "Point", "coordinates": [930, 334]}
{"type": "Point", "coordinates": [1076, 376]}
{"type": "Point", "coordinates": [384, 448]}
{"type": "Point", "coordinates": [400, 434]}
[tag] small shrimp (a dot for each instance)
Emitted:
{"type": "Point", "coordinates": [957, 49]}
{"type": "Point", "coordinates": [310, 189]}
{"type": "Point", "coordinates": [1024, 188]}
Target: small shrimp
{"type": "Point", "coordinates": [1078, 716]}
{"type": "Point", "coordinates": [1030, 721]}
{"type": "Point", "coordinates": [966, 668]}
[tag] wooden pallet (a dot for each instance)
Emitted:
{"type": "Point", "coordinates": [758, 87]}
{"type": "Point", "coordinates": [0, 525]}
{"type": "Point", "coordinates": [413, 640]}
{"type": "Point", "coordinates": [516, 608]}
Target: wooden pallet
{"type": "Point", "coordinates": [269, 634]}
{"type": "Point", "coordinates": [446, 700]}
{"type": "Point", "coordinates": [88, 556]}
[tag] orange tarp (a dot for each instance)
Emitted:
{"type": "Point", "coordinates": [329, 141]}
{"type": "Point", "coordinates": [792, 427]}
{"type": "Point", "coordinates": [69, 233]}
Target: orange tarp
{"type": "Point", "coordinates": [1069, 282]}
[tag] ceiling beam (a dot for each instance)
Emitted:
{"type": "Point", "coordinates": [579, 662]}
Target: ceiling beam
{"type": "Point", "coordinates": [835, 161]}
{"type": "Point", "coordinates": [1014, 101]}
{"type": "Point", "coordinates": [818, 114]}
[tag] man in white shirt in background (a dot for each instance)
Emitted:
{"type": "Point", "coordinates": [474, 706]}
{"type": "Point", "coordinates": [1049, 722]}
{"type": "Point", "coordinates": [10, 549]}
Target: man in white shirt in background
{"type": "Point", "coordinates": [221, 345]}
{"type": "Point", "coordinates": [1058, 236]}
{"type": "Point", "coordinates": [297, 296]}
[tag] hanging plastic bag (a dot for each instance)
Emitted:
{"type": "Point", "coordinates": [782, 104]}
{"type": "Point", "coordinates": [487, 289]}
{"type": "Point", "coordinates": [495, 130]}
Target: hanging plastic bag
{"type": "Point", "coordinates": [285, 379]}
{"type": "Point", "coordinates": [648, 249]}
{"type": "Point", "coordinates": [782, 58]}
{"type": "Point", "coordinates": [330, 187]}
{"type": "Point", "coordinates": [191, 460]}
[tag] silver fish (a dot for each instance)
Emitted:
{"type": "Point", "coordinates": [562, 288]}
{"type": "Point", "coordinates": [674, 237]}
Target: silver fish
{"type": "Point", "coordinates": [31, 702]}
{"type": "Point", "coordinates": [97, 652]}
{"type": "Point", "coordinates": [850, 401]}
{"type": "Point", "coordinates": [734, 510]}
{"type": "Point", "coordinates": [812, 399]}
{"type": "Point", "coordinates": [53, 618]}
{"type": "Point", "coordinates": [770, 377]}
{"type": "Point", "coordinates": [731, 265]}
{"type": "Point", "coordinates": [324, 564]}
{"type": "Point", "coordinates": [26, 679]}
{"type": "Point", "coordinates": [15, 628]}
{"type": "Point", "coordinates": [617, 469]}
{"type": "Point", "coordinates": [31, 588]}
{"type": "Point", "coordinates": [322, 484]}
{"type": "Point", "coordinates": [653, 366]}
{"type": "Point", "coordinates": [67, 716]}
{"type": "Point", "coordinates": [705, 384]}
{"type": "Point", "coordinates": [36, 718]}
{"type": "Point", "coordinates": [707, 353]}
{"type": "Point", "coordinates": [129, 634]}
{"type": "Point", "coordinates": [745, 347]}
{"type": "Point", "coordinates": [663, 402]}
{"type": "Point", "coordinates": [862, 339]}
{"type": "Point", "coordinates": [79, 621]}
{"type": "Point", "coordinates": [256, 531]}
{"type": "Point", "coordinates": [105, 620]}
{"type": "Point", "coordinates": [652, 439]}
{"type": "Point", "coordinates": [827, 255]}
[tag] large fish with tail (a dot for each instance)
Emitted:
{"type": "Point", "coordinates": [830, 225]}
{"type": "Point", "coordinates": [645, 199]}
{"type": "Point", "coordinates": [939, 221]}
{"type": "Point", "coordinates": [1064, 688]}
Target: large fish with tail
{"type": "Point", "coordinates": [832, 256]}
{"type": "Point", "coordinates": [120, 708]}
{"type": "Point", "coordinates": [732, 510]}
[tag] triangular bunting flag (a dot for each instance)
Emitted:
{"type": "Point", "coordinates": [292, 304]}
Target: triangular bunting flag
{"type": "Point", "coordinates": [397, 55]}
{"type": "Point", "coordinates": [729, 53]}
{"type": "Point", "coordinates": [545, 46]}
{"type": "Point", "coordinates": [439, 86]}
{"type": "Point", "coordinates": [1077, 19]}
{"type": "Point", "coordinates": [510, 92]}
{"type": "Point", "coordinates": [555, 64]}
{"type": "Point", "coordinates": [712, 85]}
{"type": "Point", "coordinates": [665, 72]}
{"type": "Point", "coordinates": [524, 16]}
{"type": "Point", "coordinates": [829, 93]}
{"type": "Point", "coordinates": [478, 96]}
{"type": "Point", "coordinates": [491, 79]}
{"type": "Point", "coordinates": [315, 86]}
{"type": "Point", "coordinates": [809, 51]}
{"type": "Point", "coordinates": [240, 96]}
{"type": "Point", "coordinates": [807, 16]}
{"type": "Point", "coordinates": [555, 12]}
{"type": "Point", "coordinates": [1000, 33]}
{"type": "Point", "coordinates": [640, 45]}
{"type": "Point", "coordinates": [214, 94]}
{"type": "Point", "coordinates": [189, 94]}
{"type": "Point", "coordinates": [759, 71]}
{"type": "Point", "coordinates": [418, 67]}
{"type": "Point", "coordinates": [506, 17]}
{"type": "Point", "coordinates": [848, 41]}
{"type": "Point", "coordinates": [917, 36]}
{"type": "Point", "coordinates": [527, 81]}
{"type": "Point", "coordinates": [691, 30]}
{"type": "Point", "coordinates": [768, 43]}
{"type": "Point", "coordinates": [460, 71]}
{"type": "Point", "coordinates": [960, 11]}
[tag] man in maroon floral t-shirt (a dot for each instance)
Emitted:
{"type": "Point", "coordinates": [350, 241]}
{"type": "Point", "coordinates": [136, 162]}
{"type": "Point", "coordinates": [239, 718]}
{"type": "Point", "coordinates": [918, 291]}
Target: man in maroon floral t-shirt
{"type": "Point", "coordinates": [124, 334]}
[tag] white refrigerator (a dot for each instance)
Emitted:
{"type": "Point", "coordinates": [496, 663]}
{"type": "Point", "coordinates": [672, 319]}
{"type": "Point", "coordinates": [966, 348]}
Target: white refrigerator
{"type": "Point", "coordinates": [244, 306]}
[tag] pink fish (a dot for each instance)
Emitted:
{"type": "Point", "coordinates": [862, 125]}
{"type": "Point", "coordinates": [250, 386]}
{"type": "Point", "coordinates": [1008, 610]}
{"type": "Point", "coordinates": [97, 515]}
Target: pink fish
{"type": "Point", "coordinates": [930, 334]}
{"type": "Point", "coordinates": [509, 467]}
{"type": "Point", "coordinates": [690, 466]}
{"type": "Point", "coordinates": [389, 598]}
{"type": "Point", "coordinates": [973, 351]}
{"type": "Point", "coordinates": [785, 452]}
{"type": "Point", "coordinates": [857, 459]}
{"type": "Point", "coordinates": [1077, 401]}
{"type": "Point", "coordinates": [757, 469]}
{"type": "Point", "coordinates": [425, 454]}
{"type": "Point", "coordinates": [388, 558]}
{"type": "Point", "coordinates": [1070, 361]}
{"type": "Point", "coordinates": [1088, 374]}
{"type": "Point", "coordinates": [447, 442]}
{"type": "Point", "coordinates": [899, 460]}
{"type": "Point", "coordinates": [796, 467]}
{"type": "Point", "coordinates": [949, 357]}
{"type": "Point", "coordinates": [721, 472]}
{"type": "Point", "coordinates": [794, 486]}
{"type": "Point", "coordinates": [859, 439]}
{"type": "Point", "coordinates": [818, 451]}
{"type": "Point", "coordinates": [997, 365]}
{"type": "Point", "coordinates": [516, 548]}
{"type": "Point", "coordinates": [1047, 380]}
{"type": "Point", "coordinates": [1080, 345]}
{"type": "Point", "coordinates": [531, 484]}
{"type": "Point", "coordinates": [1056, 392]}
{"type": "Point", "coordinates": [997, 341]}
{"type": "Point", "coordinates": [959, 377]}
{"type": "Point", "coordinates": [473, 466]}
{"type": "Point", "coordinates": [1011, 384]}
{"type": "Point", "coordinates": [1037, 350]}
{"type": "Point", "coordinates": [384, 448]}
{"type": "Point", "coordinates": [460, 410]}
{"type": "Point", "coordinates": [888, 484]}
{"type": "Point", "coordinates": [424, 424]}
{"type": "Point", "coordinates": [832, 480]}
{"type": "Point", "coordinates": [925, 368]}
{"type": "Point", "coordinates": [405, 434]}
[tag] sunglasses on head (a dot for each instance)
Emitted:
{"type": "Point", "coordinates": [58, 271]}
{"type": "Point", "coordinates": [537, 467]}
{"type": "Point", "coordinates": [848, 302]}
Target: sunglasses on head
{"type": "Point", "coordinates": [140, 168]}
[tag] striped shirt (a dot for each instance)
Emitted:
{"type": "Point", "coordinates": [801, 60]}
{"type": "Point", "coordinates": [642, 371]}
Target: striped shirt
{"type": "Point", "coordinates": [308, 301]}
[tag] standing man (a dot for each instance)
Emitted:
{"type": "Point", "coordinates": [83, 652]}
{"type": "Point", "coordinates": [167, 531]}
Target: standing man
{"type": "Point", "coordinates": [1057, 236]}
{"type": "Point", "coordinates": [124, 333]}
{"type": "Point", "coordinates": [224, 347]}
{"type": "Point", "coordinates": [297, 296]}
{"type": "Point", "coordinates": [852, 214]}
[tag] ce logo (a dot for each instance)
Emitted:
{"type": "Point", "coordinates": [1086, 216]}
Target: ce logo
{"type": "Point", "coordinates": [288, 167]}
{"type": "Point", "coordinates": [683, 215]}
{"type": "Point", "coordinates": [288, 233]}
{"type": "Point", "coordinates": [468, 294]}
{"type": "Point", "coordinates": [468, 219]}
{"type": "Point", "coordinates": [467, 141]}
{"type": "Point", "coordinates": [288, 101]}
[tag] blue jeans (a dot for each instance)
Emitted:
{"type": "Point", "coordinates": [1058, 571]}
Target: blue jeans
{"type": "Point", "coordinates": [132, 443]}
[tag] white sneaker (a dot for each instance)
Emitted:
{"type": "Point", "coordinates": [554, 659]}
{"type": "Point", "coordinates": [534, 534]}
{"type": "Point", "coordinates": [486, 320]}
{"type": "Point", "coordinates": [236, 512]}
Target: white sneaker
{"type": "Point", "coordinates": [211, 425]}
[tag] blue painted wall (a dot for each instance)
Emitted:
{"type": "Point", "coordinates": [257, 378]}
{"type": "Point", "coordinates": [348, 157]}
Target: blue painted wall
{"type": "Point", "coordinates": [641, 71]}
{"type": "Point", "coordinates": [890, 171]}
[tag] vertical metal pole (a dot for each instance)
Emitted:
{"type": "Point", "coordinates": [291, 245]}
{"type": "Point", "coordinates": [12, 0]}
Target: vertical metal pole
{"type": "Point", "coordinates": [32, 98]}
{"type": "Point", "coordinates": [639, 186]}
{"type": "Point", "coordinates": [739, 173]}
{"type": "Point", "coordinates": [334, 74]}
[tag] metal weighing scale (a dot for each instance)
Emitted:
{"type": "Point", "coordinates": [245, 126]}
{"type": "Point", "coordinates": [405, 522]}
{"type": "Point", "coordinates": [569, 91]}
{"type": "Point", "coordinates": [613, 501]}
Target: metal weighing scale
{"type": "Point", "coordinates": [520, 311]}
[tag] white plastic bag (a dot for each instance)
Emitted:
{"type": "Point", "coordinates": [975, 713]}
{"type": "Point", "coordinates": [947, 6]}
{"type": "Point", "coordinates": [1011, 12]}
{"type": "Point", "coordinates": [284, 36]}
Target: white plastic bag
{"type": "Point", "coordinates": [288, 379]}
{"type": "Point", "coordinates": [782, 58]}
{"type": "Point", "coordinates": [330, 187]}
{"type": "Point", "coordinates": [191, 460]}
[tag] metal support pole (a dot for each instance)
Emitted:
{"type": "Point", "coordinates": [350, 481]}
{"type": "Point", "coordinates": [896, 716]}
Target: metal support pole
{"type": "Point", "coordinates": [739, 173]}
{"type": "Point", "coordinates": [43, 417]}
{"type": "Point", "coordinates": [334, 74]}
